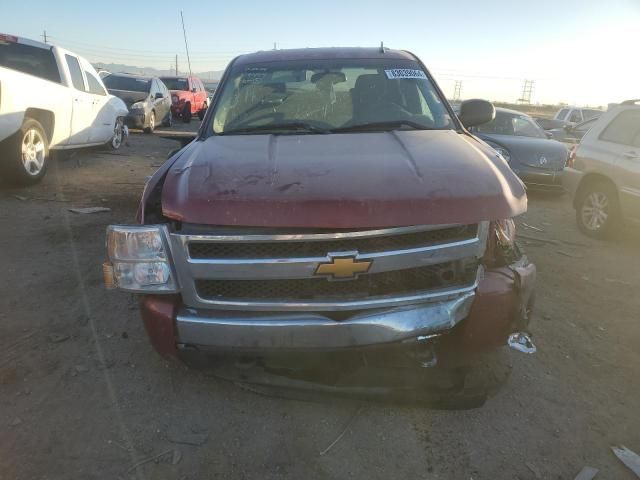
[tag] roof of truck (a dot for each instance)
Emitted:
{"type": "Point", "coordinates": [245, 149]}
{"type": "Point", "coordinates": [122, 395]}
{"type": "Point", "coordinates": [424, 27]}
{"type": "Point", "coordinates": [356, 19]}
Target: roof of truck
{"type": "Point", "coordinates": [323, 54]}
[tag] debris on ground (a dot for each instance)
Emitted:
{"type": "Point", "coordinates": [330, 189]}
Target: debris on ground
{"type": "Point", "coordinates": [569, 254]}
{"type": "Point", "coordinates": [16, 421]}
{"type": "Point", "coordinates": [538, 239]}
{"type": "Point", "coordinates": [21, 198]}
{"type": "Point", "coordinates": [177, 456]}
{"type": "Point", "coordinates": [618, 282]}
{"type": "Point", "coordinates": [81, 368]}
{"type": "Point", "coordinates": [531, 227]}
{"type": "Point", "coordinates": [151, 459]}
{"type": "Point", "coordinates": [58, 338]}
{"type": "Point", "coordinates": [629, 458]}
{"type": "Point", "coordinates": [587, 473]}
{"type": "Point", "coordinates": [90, 210]}
{"type": "Point", "coordinates": [346, 427]}
{"type": "Point", "coordinates": [533, 469]}
{"type": "Point", "coordinates": [195, 439]}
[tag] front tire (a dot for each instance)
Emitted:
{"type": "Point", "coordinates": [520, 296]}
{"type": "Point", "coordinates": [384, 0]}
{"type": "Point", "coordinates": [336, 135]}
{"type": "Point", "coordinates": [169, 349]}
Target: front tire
{"type": "Point", "coordinates": [598, 210]}
{"type": "Point", "coordinates": [186, 113]}
{"type": "Point", "coordinates": [202, 112]}
{"type": "Point", "coordinates": [118, 135]}
{"type": "Point", "coordinates": [152, 123]}
{"type": "Point", "coordinates": [27, 154]}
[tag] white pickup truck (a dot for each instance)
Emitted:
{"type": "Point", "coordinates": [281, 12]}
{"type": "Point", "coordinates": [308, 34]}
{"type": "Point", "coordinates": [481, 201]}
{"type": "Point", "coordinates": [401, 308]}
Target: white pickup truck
{"type": "Point", "coordinates": [50, 99]}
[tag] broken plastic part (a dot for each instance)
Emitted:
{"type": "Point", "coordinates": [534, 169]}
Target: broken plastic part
{"type": "Point", "coordinates": [521, 342]}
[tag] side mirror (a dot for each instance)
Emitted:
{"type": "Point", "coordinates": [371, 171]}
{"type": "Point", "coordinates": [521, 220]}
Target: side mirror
{"type": "Point", "coordinates": [193, 90]}
{"type": "Point", "coordinates": [159, 95]}
{"type": "Point", "coordinates": [549, 135]}
{"type": "Point", "coordinates": [476, 112]}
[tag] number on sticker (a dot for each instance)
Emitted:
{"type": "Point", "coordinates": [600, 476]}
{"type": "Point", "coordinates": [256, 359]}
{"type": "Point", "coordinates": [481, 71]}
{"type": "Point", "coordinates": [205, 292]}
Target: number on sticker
{"type": "Point", "coordinates": [405, 73]}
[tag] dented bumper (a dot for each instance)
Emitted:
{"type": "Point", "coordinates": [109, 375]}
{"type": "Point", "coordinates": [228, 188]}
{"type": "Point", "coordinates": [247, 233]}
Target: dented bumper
{"type": "Point", "coordinates": [472, 322]}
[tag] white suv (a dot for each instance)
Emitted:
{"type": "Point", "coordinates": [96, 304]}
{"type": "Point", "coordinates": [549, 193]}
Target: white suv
{"type": "Point", "coordinates": [574, 115]}
{"type": "Point", "coordinates": [603, 173]}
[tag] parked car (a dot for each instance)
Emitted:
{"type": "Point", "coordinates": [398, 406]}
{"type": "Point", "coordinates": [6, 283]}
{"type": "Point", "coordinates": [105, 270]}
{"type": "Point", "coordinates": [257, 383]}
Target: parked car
{"type": "Point", "coordinates": [537, 160]}
{"type": "Point", "coordinates": [328, 188]}
{"type": "Point", "coordinates": [188, 97]}
{"type": "Point", "coordinates": [50, 99]}
{"type": "Point", "coordinates": [575, 115]}
{"type": "Point", "coordinates": [603, 174]}
{"type": "Point", "coordinates": [210, 87]}
{"type": "Point", "coordinates": [147, 99]}
{"type": "Point", "coordinates": [572, 133]}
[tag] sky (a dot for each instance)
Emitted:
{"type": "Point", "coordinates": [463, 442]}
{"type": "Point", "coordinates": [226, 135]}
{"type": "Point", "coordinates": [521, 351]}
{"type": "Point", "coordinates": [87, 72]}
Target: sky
{"type": "Point", "coordinates": [581, 52]}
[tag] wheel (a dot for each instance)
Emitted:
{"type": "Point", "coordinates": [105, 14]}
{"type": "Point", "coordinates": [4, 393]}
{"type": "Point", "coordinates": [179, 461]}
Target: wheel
{"type": "Point", "coordinates": [118, 135]}
{"type": "Point", "coordinates": [152, 123]}
{"type": "Point", "coordinates": [27, 154]}
{"type": "Point", "coordinates": [598, 210]}
{"type": "Point", "coordinates": [186, 113]}
{"type": "Point", "coordinates": [202, 112]}
{"type": "Point", "coordinates": [168, 121]}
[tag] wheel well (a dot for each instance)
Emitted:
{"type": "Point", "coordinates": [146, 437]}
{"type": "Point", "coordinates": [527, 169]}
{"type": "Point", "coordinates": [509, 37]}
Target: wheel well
{"type": "Point", "coordinates": [45, 117]}
{"type": "Point", "coordinates": [589, 180]}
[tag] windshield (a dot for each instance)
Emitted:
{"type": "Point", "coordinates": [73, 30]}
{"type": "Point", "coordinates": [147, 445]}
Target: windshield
{"type": "Point", "coordinates": [590, 113]}
{"type": "Point", "coordinates": [328, 94]}
{"type": "Point", "coordinates": [130, 84]}
{"type": "Point", "coordinates": [516, 124]}
{"type": "Point", "coordinates": [175, 83]}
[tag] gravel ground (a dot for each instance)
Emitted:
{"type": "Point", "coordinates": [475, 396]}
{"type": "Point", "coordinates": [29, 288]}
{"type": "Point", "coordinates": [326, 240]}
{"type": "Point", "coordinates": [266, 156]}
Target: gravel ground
{"type": "Point", "coordinates": [83, 395]}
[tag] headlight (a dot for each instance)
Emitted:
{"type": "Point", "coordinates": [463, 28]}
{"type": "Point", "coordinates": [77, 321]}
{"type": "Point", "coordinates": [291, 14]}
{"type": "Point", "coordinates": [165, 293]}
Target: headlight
{"type": "Point", "coordinates": [138, 259]}
{"type": "Point", "coordinates": [505, 231]}
{"type": "Point", "coordinates": [503, 152]}
{"type": "Point", "coordinates": [137, 106]}
{"type": "Point", "coordinates": [174, 99]}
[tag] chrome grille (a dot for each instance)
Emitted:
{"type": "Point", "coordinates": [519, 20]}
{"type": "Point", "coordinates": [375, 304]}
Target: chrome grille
{"type": "Point", "coordinates": [365, 286]}
{"type": "Point", "coordinates": [320, 248]}
{"type": "Point", "coordinates": [278, 272]}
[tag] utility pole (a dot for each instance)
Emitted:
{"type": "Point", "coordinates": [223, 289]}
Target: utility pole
{"type": "Point", "coordinates": [44, 35]}
{"type": "Point", "coordinates": [457, 90]}
{"type": "Point", "coordinates": [527, 90]}
{"type": "Point", "coordinates": [186, 46]}
{"type": "Point", "coordinates": [176, 64]}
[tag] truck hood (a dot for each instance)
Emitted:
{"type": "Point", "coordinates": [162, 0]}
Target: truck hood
{"type": "Point", "coordinates": [351, 180]}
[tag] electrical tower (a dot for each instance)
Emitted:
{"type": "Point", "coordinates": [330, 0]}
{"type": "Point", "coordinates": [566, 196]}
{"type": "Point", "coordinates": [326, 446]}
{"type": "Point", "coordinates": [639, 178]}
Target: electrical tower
{"type": "Point", "coordinates": [527, 90]}
{"type": "Point", "coordinates": [456, 90]}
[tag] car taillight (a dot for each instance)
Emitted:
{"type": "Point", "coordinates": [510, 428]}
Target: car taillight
{"type": "Point", "coordinates": [571, 156]}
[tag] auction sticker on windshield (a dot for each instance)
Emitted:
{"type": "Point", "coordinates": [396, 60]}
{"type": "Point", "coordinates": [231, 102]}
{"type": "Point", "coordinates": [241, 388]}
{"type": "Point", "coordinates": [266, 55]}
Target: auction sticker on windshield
{"type": "Point", "coordinates": [405, 73]}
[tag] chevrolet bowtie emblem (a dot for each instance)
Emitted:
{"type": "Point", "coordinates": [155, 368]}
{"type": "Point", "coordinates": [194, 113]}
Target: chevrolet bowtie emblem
{"type": "Point", "coordinates": [343, 268]}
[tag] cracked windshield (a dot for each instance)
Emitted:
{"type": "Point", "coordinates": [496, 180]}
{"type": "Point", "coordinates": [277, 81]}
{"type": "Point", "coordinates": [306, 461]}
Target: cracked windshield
{"type": "Point", "coordinates": [238, 248]}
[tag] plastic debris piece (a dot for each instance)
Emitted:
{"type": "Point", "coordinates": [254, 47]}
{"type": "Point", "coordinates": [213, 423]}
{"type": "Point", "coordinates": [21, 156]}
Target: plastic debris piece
{"type": "Point", "coordinates": [86, 210]}
{"type": "Point", "coordinates": [629, 458]}
{"type": "Point", "coordinates": [587, 473]}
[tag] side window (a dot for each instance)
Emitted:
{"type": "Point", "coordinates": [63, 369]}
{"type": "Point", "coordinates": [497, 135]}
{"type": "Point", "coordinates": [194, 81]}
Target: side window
{"type": "Point", "coordinates": [154, 88]}
{"type": "Point", "coordinates": [94, 84]}
{"type": "Point", "coordinates": [35, 61]}
{"type": "Point", "coordinates": [624, 129]}
{"type": "Point", "coordinates": [576, 116]}
{"type": "Point", "coordinates": [76, 73]}
{"type": "Point", "coordinates": [562, 114]}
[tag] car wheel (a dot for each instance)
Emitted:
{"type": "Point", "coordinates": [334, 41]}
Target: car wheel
{"type": "Point", "coordinates": [118, 135]}
{"type": "Point", "coordinates": [169, 120]}
{"type": "Point", "coordinates": [202, 112]}
{"type": "Point", "coordinates": [152, 123]}
{"type": "Point", "coordinates": [598, 210]}
{"type": "Point", "coordinates": [28, 154]}
{"type": "Point", "coordinates": [186, 113]}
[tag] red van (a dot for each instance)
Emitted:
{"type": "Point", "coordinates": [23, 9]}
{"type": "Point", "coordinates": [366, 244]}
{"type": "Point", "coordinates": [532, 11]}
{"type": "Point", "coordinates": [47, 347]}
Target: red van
{"type": "Point", "coordinates": [188, 97]}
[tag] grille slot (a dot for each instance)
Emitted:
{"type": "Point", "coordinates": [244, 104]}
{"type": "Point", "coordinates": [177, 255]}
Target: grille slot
{"type": "Point", "coordinates": [439, 276]}
{"type": "Point", "coordinates": [301, 249]}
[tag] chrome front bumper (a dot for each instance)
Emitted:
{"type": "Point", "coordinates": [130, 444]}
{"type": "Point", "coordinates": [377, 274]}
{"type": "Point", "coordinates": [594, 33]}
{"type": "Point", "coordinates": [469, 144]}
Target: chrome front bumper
{"type": "Point", "coordinates": [219, 329]}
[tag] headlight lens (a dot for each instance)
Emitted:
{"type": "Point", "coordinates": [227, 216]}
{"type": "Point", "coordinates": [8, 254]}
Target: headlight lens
{"type": "Point", "coordinates": [139, 258]}
{"type": "Point", "coordinates": [503, 152]}
{"type": "Point", "coordinates": [505, 232]}
{"type": "Point", "coordinates": [137, 106]}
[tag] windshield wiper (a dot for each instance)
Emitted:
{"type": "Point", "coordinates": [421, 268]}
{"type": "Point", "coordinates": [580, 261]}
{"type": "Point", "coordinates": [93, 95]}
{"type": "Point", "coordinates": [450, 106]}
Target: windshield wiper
{"type": "Point", "coordinates": [278, 127]}
{"type": "Point", "coordinates": [377, 126]}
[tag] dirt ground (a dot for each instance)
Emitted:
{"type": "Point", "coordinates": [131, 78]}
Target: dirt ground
{"type": "Point", "coordinates": [83, 395]}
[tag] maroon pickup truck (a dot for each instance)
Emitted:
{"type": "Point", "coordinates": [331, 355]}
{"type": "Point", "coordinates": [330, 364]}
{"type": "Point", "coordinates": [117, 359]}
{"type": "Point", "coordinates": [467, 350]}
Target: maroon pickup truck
{"type": "Point", "coordinates": [331, 203]}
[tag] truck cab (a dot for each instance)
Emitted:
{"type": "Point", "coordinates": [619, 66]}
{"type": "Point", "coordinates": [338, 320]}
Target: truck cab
{"type": "Point", "coordinates": [331, 201]}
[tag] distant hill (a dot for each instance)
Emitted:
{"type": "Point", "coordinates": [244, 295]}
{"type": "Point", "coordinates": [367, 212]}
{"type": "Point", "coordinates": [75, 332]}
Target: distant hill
{"type": "Point", "coordinates": [152, 72]}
